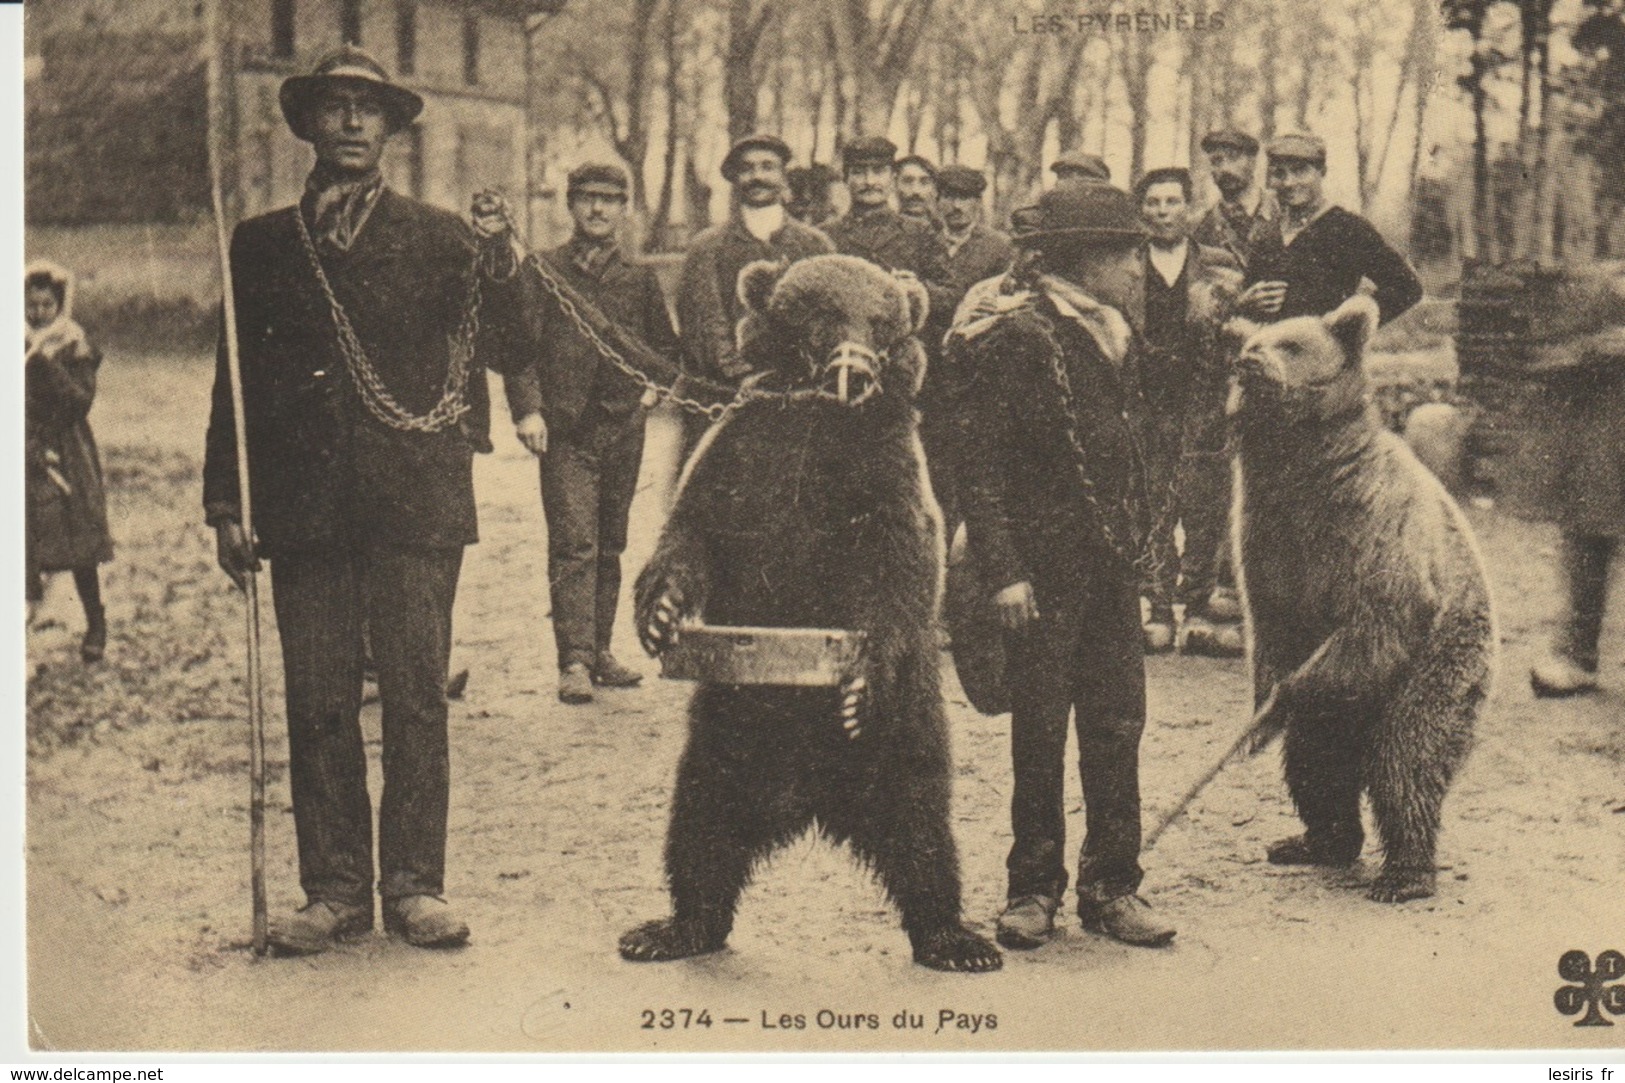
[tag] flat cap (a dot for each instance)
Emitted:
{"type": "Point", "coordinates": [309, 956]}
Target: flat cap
{"type": "Point", "coordinates": [1175, 173]}
{"type": "Point", "coordinates": [922, 161]}
{"type": "Point", "coordinates": [1298, 147]}
{"type": "Point", "coordinates": [870, 150]}
{"type": "Point", "coordinates": [960, 182]}
{"type": "Point", "coordinates": [1229, 137]}
{"type": "Point", "coordinates": [757, 141]}
{"type": "Point", "coordinates": [599, 177]}
{"type": "Point", "coordinates": [1077, 163]}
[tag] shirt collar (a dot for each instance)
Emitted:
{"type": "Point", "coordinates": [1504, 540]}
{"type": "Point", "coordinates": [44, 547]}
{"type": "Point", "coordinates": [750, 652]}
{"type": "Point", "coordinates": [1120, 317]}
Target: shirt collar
{"type": "Point", "coordinates": [762, 222]}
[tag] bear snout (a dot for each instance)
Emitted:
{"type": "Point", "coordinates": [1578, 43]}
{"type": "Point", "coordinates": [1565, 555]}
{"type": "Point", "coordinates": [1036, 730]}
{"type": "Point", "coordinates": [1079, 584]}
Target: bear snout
{"type": "Point", "coordinates": [851, 372]}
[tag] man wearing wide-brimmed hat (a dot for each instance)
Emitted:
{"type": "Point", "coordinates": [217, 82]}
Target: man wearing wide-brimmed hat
{"type": "Point", "coordinates": [364, 403]}
{"type": "Point", "coordinates": [1054, 505]}
{"type": "Point", "coordinates": [1315, 254]}
{"type": "Point", "coordinates": [758, 228]}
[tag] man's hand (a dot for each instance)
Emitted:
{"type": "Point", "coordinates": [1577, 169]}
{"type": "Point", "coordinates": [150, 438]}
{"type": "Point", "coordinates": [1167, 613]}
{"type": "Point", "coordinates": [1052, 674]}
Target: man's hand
{"type": "Point", "coordinates": [1016, 605]}
{"type": "Point", "coordinates": [489, 214]}
{"type": "Point", "coordinates": [1263, 298]}
{"type": "Point", "coordinates": [532, 432]}
{"type": "Point", "coordinates": [234, 553]}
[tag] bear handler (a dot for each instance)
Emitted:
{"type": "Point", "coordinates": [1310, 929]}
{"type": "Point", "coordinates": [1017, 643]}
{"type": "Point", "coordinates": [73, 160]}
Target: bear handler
{"type": "Point", "coordinates": [1055, 511]}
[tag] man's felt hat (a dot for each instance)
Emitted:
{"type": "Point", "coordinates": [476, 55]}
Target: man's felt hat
{"type": "Point", "coordinates": [1297, 147]}
{"type": "Point", "coordinates": [1169, 173]}
{"type": "Point", "coordinates": [1084, 215]}
{"type": "Point", "coordinates": [1077, 163]}
{"type": "Point", "coordinates": [598, 178]}
{"type": "Point", "coordinates": [758, 141]}
{"type": "Point", "coordinates": [1229, 137]}
{"type": "Point", "coordinates": [1025, 220]}
{"type": "Point", "coordinates": [871, 150]}
{"type": "Point", "coordinates": [960, 182]}
{"type": "Point", "coordinates": [346, 65]}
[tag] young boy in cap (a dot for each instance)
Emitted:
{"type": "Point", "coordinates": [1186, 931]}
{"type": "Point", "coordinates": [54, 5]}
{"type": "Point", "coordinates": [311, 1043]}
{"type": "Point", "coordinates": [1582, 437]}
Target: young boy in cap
{"type": "Point", "coordinates": [583, 418]}
{"type": "Point", "coordinates": [1054, 505]}
{"type": "Point", "coordinates": [364, 403]}
{"type": "Point", "coordinates": [1313, 257]}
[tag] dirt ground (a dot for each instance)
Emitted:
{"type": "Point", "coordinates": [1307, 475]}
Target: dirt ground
{"type": "Point", "coordinates": [137, 841]}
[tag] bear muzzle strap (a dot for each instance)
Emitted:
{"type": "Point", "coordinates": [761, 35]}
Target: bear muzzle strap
{"type": "Point", "coordinates": [852, 373]}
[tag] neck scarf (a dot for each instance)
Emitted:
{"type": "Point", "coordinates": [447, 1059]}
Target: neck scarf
{"type": "Point", "coordinates": [339, 207]}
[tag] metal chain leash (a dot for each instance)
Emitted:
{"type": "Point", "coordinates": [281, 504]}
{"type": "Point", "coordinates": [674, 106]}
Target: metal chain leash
{"type": "Point", "coordinates": [1140, 555]}
{"type": "Point", "coordinates": [369, 384]}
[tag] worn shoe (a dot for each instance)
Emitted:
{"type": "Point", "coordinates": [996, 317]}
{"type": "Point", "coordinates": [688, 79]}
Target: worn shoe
{"type": "Point", "coordinates": [93, 646]}
{"type": "Point", "coordinates": [424, 921]}
{"type": "Point", "coordinates": [1558, 676]}
{"type": "Point", "coordinates": [1159, 636]}
{"type": "Point", "coordinates": [575, 683]}
{"type": "Point", "coordinates": [317, 926]}
{"type": "Point", "coordinates": [1127, 918]}
{"type": "Point", "coordinates": [1028, 921]}
{"type": "Point", "coordinates": [610, 673]}
{"type": "Point", "coordinates": [1211, 639]}
{"type": "Point", "coordinates": [1224, 604]}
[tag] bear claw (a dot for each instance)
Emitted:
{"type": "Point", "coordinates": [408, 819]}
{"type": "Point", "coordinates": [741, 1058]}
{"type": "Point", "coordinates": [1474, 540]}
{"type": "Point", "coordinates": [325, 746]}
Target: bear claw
{"type": "Point", "coordinates": [667, 939]}
{"type": "Point", "coordinates": [1400, 885]}
{"type": "Point", "coordinates": [958, 950]}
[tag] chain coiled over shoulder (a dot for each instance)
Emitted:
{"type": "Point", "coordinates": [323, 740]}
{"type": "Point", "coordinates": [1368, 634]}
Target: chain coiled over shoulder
{"type": "Point", "coordinates": [369, 384]}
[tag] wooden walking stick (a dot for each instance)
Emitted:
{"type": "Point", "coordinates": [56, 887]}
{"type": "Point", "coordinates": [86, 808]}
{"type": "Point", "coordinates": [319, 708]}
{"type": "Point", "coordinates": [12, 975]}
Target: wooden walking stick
{"type": "Point", "coordinates": [256, 716]}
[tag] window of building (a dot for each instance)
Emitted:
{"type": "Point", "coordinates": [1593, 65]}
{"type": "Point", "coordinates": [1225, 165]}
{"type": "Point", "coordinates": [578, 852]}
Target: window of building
{"type": "Point", "coordinates": [471, 49]}
{"type": "Point", "coordinates": [406, 37]}
{"type": "Point", "coordinates": [282, 13]}
{"type": "Point", "coordinates": [350, 22]}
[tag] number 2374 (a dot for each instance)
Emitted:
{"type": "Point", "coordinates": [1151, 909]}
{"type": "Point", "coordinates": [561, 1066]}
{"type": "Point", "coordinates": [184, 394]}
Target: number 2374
{"type": "Point", "coordinates": [675, 1018]}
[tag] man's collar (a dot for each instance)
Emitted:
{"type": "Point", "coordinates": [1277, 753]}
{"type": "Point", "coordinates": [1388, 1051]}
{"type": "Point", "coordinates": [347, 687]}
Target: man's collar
{"type": "Point", "coordinates": [1250, 203]}
{"type": "Point", "coordinates": [591, 255]}
{"type": "Point", "coordinates": [761, 223]}
{"type": "Point", "coordinates": [1162, 259]}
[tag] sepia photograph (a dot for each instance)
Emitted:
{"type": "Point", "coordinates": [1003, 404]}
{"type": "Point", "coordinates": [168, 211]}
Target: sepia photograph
{"type": "Point", "coordinates": [834, 527]}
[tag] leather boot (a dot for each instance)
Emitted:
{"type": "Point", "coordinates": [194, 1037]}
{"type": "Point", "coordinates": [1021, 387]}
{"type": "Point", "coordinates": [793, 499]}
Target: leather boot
{"type": "Point", "coordinates": [93, 647]}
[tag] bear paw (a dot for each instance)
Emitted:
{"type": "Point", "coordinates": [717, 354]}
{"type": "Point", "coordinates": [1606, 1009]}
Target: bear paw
{"type": "Point", "coordinates": [957, 949]}
{"type": "Point", "coordinates": [668, 938]}
{"type": "Point", "coordinates": [1395, 885]}
{"type": "Point", "coordinates": [657, 623]}
{"type": "Point", "coordinates": [1311, 849]}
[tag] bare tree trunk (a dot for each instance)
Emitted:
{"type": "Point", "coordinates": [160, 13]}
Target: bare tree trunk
{"type": "Point", "coordinates": [660, 229]}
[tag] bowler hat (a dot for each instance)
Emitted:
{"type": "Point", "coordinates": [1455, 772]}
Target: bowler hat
{"type": "Point", "coordinates": [1077, 163]}
{"type": "Point", "coordinates": [1229, 137]}
{"type": "Point", "coordinates": [758, 141]}
{"type": "Point", "coordinates": [346, 65]}
{"type": "Point", "coordinates": [597, 177]}
{"type": "Point", "coordinates": [960, 182]}
{"type": "Point", "coordinates": [1084, 214]}
{"type": "Point", "coordinates": [870, 150]}
{"type": "Point", "coordinates": [1298, 147]}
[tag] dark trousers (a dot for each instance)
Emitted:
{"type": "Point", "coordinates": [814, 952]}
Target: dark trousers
{"type": "Point", "coordinates": [588, 481]}
{"type": "Point", "coordinates": [1082, 659]}
{"type": "Point", "coordinates": [1188, 477]}
{"type": "Point", "coordinates": [1583, 563]}
{"type": "Point", "coordinates": [938, 436]}
{"type": "Point", "coordinates": [324, 600]}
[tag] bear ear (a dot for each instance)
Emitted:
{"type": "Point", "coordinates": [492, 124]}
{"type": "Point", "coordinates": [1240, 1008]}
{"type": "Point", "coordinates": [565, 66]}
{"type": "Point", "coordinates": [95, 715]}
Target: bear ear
{"type": "Point", "coordinates": [1352, 324]}
{"type": "Point", "coordinates": [756, 282]}
{"type": "Point", "coordinates": [919, 302]}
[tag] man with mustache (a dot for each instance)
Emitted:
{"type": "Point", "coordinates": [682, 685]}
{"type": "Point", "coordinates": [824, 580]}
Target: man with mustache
{"type": "Point", "coordinates": [1232, 158]}
{"type": "Point", "coordinates": [364, 402]}
{"type": "Point", "coordinates": [975, 251]}
{"type": "Point", "coordinates": [583, 418]}
{"type": "Point", "coordinates": [917, 189]}
{"type": "Point", "coordinates": [758, 228]}
{"type": "Point", "coordinates": [879, 234]}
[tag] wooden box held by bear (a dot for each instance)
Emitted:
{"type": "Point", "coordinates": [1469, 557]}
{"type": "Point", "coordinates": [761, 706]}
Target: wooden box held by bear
{"type": "Point", "coordinates": [802, 657]}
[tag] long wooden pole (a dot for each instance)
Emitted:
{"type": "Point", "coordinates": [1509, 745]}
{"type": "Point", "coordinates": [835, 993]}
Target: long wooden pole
{"type": "Point", "coordinates": [256, 714]}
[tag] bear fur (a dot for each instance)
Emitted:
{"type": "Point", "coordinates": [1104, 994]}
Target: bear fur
{"type": "Point", "coordinates": [1372, 635]}
{"type": "Point", "coordinates": [798, 510]}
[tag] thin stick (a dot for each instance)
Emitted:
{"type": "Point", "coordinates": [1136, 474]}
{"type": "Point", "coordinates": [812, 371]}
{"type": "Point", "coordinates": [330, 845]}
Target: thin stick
{"type": "Point", "coordinates": [1201, 784]}
{"type": "Point", "coordinates": [256, 718]}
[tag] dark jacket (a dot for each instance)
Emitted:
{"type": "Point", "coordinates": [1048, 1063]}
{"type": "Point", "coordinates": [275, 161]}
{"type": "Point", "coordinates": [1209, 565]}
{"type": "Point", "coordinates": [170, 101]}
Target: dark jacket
{"type": "Point", "coordinates": [1324, 264]}
{"type": "Point", "coordinates": [1234, 229]}
{"type": "Point", "coordinates": [708, 308]}
{"type": "Point", "coordinates": [985, 253]}
{"type": "Point", "coordinates": [324, 470]}
{"type": "Point", "coordinates": [67, 504]}
{"type": "Point", "coordinates": [898, 243]}
{"type": "Point", "coordinates": [1024, 500]}
{"type": "Point", "coordinates": [557, 371]}
{"type": "Point", "coordinates": [1184, 361]}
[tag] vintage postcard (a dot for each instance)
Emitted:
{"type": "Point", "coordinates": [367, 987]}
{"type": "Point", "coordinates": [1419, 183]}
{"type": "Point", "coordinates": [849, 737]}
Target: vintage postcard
{"type": "Point", "coordinates": [861, 526]}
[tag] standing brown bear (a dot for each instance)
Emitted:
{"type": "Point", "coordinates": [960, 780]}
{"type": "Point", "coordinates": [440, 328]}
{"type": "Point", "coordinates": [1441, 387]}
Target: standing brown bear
{"type": "Point", "coordinates": [1372, 638]}
{"type": "Point", "coordinates": [808, 506]}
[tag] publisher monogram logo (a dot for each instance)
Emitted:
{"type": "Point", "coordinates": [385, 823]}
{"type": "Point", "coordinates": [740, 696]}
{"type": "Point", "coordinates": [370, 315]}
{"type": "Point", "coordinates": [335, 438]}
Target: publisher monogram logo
{"type": "Point", "coordinates": [1595, 988]}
